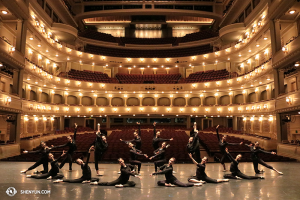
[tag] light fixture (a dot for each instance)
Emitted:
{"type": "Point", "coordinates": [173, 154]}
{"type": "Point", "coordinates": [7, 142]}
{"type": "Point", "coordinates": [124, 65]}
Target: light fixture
{"type": "Point", "coordinates": [288, 100]}
{"type": "Point", "coordinates": [4, 12]}
{"type": "Point", "coordinates": [291, 12]}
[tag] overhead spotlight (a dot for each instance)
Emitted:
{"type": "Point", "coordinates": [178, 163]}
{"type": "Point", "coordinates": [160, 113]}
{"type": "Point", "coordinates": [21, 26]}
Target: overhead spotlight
{"type": "Point", "coordinates": [31, 38]}
{"type": "Point", "coordinates": [291, 12]}
{"type": "Point", "coordinates": [39, 45]}
{"type": "Point", "coordinates": [4, 12]}
{"type": "Point", "coordinates": [297, 64]}
{"type": "Point", "coordinates": [265, 38]}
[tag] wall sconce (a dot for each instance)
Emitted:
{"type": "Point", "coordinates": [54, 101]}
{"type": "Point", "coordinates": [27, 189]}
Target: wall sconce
{"type": "Point", "coordinates": [193, 58]}
{"type": "Point", "coordinates": [128, 109]}
{"type": "Point", "coordinates": [229, 110]}
{"type": "Point", "coordinates": [103, 57]}
{"type": "Point", "coordinates": [252, 119]}
{"type": "Point", "coordinates": [36, 119]}
{"type": "Point", "coordinates": [284, 49]}
{"type": "Point", "coordinates": [260, 119]}
{"type": "Point", "coordinates": [80, 94]}
{"type": "Point", "coordinates": [91, 85]}
{"type": "Point", "coordinates": [171, 95]}
{"type": "Point", "coordinates": [194, 109]}
{"type": "Point", "coordinates": [181, 109]}
{"type": "Point", "coordinates": [270, 119]}
{"type": "Point", "coordinates": [228, 82]}
{"type": "Point", "coordinates": [266, 107]}
{"type": "Point", "coordinates": [8, 101]}
{"type": "Point", "coordinates": [142, 59]}
{"type": "Point", "coordinates": [240, 109]}
{"type": "Point", "coordinates": [12, 49]}
{"type": "Point", "coordinates": [219, 110]}
{"type": "Point", "coordinates": [217, 53]}
{"type": "Point", "coordinates": [247, 108]}
{"type": "Point", "coordinates": [244, 91]}
{"type": "Point", "coordinates": [67, 109]}
{"type": "Point", "coordinates": [205, 56]}
{"type": "Point", "coordinates": [26, 119]}
{"type": "Point", "coordinates": [78, 110]}
{"type": "Point", "coordinates": [102, 85]}
{"type": "Point", "coordinates": [201, 95]}
{"type": "Point", "coordinates": [115, 109]}
{"type": "Point", "coordinates": [206, 110]}
{"type": "Point", "coordinates": [218, 83]}
{"type": "Point", "coordinates": [194, 86]}
{"type": "Point", "coordinates": [186, 95]}
{"type": "Point", "coordinates": [168, 59]}
{"type": "Point", "coordinates": [140, 95]}
{"type": "Point", "coordinates": [57, 109]}
{"type": "Point", "coordinates": [44, 119]}
{"type": "Point", "coordinates": [216, 94]}
{"type": "Point", "coordinates": [90, 110]}
{"type": "Point", "coordinates": [38, 108]}
{"type": "Point", "coordinates": [154, 59]}
{"type": "Point", "coordinates": [288, 100]}
{"type": "Point", "coordinates": [78, 84]}
{"type": "Point", "coordinates": [155, 109]}
{"type": "Point", "coordinates": [253, 108]}
{"type": "Point", "coordinates": [43, 108]}
{"type": "Point", "coordinates": [141, 109]}
{"type": "Point", "coordinates": [206, 85]}
{"type": "Point", "coordinates": [230, 93]}
{"type": "Point", "coordinates": [238, 80]}
{"type": "Point", "coordinates": [168, 109]}
{"type": "Point", "coordinates": [49, 108]}
{"type": "Point", "coordinates": [256, 90]}
{"type": "Point", "coordinates": [244, 119]}
{"type": "Point", "coordinates": [258, 108]}
{"type": "Point", "coordinates": [102, 110]}
{"type": "Point", "coordinates": [110, 95]}
{"type": "Point", "coordinates": [95, 95]}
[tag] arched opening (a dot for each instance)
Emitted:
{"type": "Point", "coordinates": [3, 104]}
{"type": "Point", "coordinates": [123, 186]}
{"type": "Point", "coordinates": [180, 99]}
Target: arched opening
{"type": "Point", "coordinates": [252, 97]}
{"type": "Point", "coordinates": [211, 100]}
{"type": "Point", "coordinates": [239, 99]}
{"type": "Point", "coordinates": [44, 97]}
{"type": "Point", "coordinates": [164, 101]}
{"type": "Point", "coordinates": [179, 101]}
{"type": "Point", "coordinates": [72, 100]}
{"type": "Point", "coordinates": [58, 98]}
{"type": "Point", "coordinates": [224, 100]}
{"type": "Point", "coordinates": [87, 101]}
{"type": "Point", "coordinates": [117, 101]}
{"type": "Point", "coordinates": [195, 101]}
{"type": "Point", "coordinates": [33, 95]}
{"type": "Point", "coordinates": [263, 95]}
{"type": "Point", "coordinates": [23, 94]}
{"type": "Point", "coordinates": [132, 101]}
{"type": "Point", "coordinates": [102, 101]}
{"type": "Point", "coordinates": [148, 101]}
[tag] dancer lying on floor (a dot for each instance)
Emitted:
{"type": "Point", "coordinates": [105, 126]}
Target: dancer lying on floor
{"type": "Point", "coordinates": [123, 180]}
{"type": "Point", "coordinates": [86, 172]}
{"type": "Point", "coordinates": [54, 171]}
{"type": "Point", "coordinates": [201, 176]}
{"type": "Point", "coordinates": [234, 169]}
{"type": "Point", "coordinates": [171, 180]}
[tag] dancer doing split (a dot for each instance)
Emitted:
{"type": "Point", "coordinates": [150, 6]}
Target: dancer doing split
{"type": "Point", "coordinates": [171, 180]}
{"type": "Point", "coordinates": [54, 171]}
{"type": "Point", "coordinates": [86, 172]}
{"type": "Point", "coordinates": [160, 154]}
{"type": "Point", "coordinates": [234, 169]}
{"type": "Point", "coordinates": [201, 176]}
{"type": "Point", "coordinates": [123, 180]}
{"type": "Point", "coordinates": [137, 138]}
{"type": "Point", "coordinates": [193, 144]}
{"type": "Point", "coordinates": [255, 150]}
{"type": "Point", "coordinates": [72, 147]}
{"type": "Point", "coordinates": [100, 145]}
{"type": "Point", "coordinates": [156, 138]}
{"type": "Point", "coordinates": [223, 144]}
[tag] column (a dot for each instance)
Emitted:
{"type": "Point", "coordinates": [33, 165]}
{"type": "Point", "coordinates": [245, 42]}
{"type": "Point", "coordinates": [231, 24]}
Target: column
{"type": "Point", "coordinates": [95, 99]}
{"type": "Point", "coordinates": [261, 125]}
{"type": "Point", "coordinates": [201, 99]}
{"type": "Point", "coordinates": [51, 123]}
{"type": "Point", "coordinates": [234, 122]}
{"type": "Point", "coordinates": [66, 97]}
{"type": "Point", "coordinates": [109, 100]}
{"type": "Point", "coordinates": [271, 126]}
{"type": "Point", "coordinates": [141, 100]}
{"type": "Point", "coordinates": [257, 95]}
{"type": "Point", "coordinates": [245, 126]}
{"type": "Point", "coordinates": [61, 123]}
{"type": "Point", "coordinates": [107, 122]}
{"type": "Point", "coordinates": [252, 125]}
{"type": "Point", "coordinates": [188, 122]}
{"type": "Point", "coordinates": [15, 129]}
{"type": "Point", "coordinates": [21, 35]}
{"type": "Point", "coordinates": [80, 99]}
{"type": "Point", "coordinates": [171, 100]}
{"type": "Point", "coordinates": [35, 121]}
{"type": "Point", "coordinates": [27, 90]}
{"type": "Point", "coordinates": [18, 82]}
{"type": "Point", "coordinates": [275, 36]}
{"type": "Point", "coordinates": [186, 100]}
{"type": "Point", "coordinates": [125, 101]}
{"type": "Point", "coordinates": [25, 126]}
{"type": "Point", "coordinates": [269, 90]}
{"type": "Point", "coordinates": [245, 96]}
{"type": "Point", "coordinates": [45, 124]}
{"type": "Point", "coordinates": [52, 96]}
{"type": "Point", "coordinates": [155, 97]}
{"type": "Point", "coordinates": [278, 82]}
{"type": "Point", "coordinates": [230, 97]}
{"type": "Point", "coordinates": [217, 99]}
{"type": "Point", "coordinates": [281, 128]}
{"type": "Point", "coordinates": [39, 95]}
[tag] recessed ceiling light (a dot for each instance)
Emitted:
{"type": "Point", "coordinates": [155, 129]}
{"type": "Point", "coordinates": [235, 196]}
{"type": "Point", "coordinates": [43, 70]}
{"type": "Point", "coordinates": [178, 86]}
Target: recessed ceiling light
{"type": "Point", "coordinates": [268, 79]}
{"type": "Point", "coordinates": [47, 50]}
{"type": "Point", "coordinates": [249, 50]}
{"type": "Point", "coordinates": [257, 45]}
{"type": "Point", "coordinates": [296, 64]}
{"type": "Point", "coordinates": [4, 12]}
{"type": "Point", "coordinates": [31, 38]}
{"type": "Point", "coordinates": [291, 11]}
{"type": "Point", "coordinates": [39, 45]}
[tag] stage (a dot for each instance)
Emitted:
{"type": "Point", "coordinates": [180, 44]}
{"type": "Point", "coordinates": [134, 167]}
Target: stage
{"type": "Point", "coordinates": [274, 186]}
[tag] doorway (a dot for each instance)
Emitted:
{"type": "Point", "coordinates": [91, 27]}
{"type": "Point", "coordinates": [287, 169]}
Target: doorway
{"type": "Point", "coordinates": [207, 123]}
{"type": "Point", "coordinates": [91, 123]}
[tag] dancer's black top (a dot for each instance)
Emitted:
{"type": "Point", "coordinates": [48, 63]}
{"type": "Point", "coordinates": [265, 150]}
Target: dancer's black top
{"type": "Point", "coordinates": [86, 170]}
{"type": "Point", "coordinates": [72, 145]}
{"type": "Point", "coordinates": [137, 140]}
{"type": "Point", "coordinates": [99, 144]}
{"type": "Point", "coordinates": [256, 151]}
{"type": "Point", "coordinates": [54, 167]}
{"type": "Point", "coordinates": [134, 153]}
{"type": "Point", "coordinates": [192, 146]}
{"type": "Point", "coordinates": [200, 172]}
{"type": "Point", "coordinates": [167, 171]}
{"type": "Point", "coordinates": [159, 153]}
{"type": "Point", "coordinates": [234, 164]}
{"type": "Point", "coordinates": [224, 144]}
{"type": "Point", "coordinates": [157, 140]}
{"type": "Point", "coordinates": [126, 173]}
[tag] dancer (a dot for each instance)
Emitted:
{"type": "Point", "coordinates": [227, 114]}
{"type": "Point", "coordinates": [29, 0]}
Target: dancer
{"type": "Point", "coordinates": [255, 150]}
{"type": "Point", "coordinates": [54, 171]}
{"type": "Point", "coordinates": [123, 180]}
{"type": "Point", "coordinates": [193, 144]}
{"type": "Point", "coordinates": [100, 145]}
{"type": "Point", "coordinates": [223, 144]}
{"type": "Point", "coordinates": [156, 139]}
{"type": "Point", "coordinates": [234, 169]}
{"type": "Point", "coordinates": [171, 180]}
{"type": "Point", "coordinates": [160, 154]}
{"type": "Point", "coordinates": [137, 138]}
{"type": "Point", "coordinates": [133, 157]}
{"type": "Point", "coordinates": [86, 171]}
{"type": "Point", "coordinates": [72, 147]}
{"type": "Point", "coordinates": [201, 176]}
{"type": "Point", "coordinates": [45, 150]}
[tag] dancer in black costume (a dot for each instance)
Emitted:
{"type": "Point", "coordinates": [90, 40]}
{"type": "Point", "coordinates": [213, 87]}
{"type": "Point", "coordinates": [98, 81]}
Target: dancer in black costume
{"type": "Point", "coordinates": [86, 172]}
{"type": "Point", "coordinates": [255, 150]}
{"type": "Point", "coordinates": [123, 180]}
{"type": "Point", "coordinates": [201, 176]}
{"type": "Point", "coordinates": [160, 154]}
{"type": "Point", "coordinates": [100, 145]}
{"type": "Point", "coordinates": [234, 169]}
{"type": "Point", "coordinates": [54, 171]}
{"type": "Point", "coordinates": [223, 144]}
{"type": "Point", "coordinates": [137, 138]}
{"type": "Point", "coordinates": [193, 144]}
{"type": "Point", "coordinates": [171, 180]}
{"type": "Point", "coordinates": [133, 157]}
{"type": "Point", "coordinates": [156, 139]}
{"type": "Point", "coordinates": [45, 150]}
{"type": "Point", "coordinates": [72, 147]}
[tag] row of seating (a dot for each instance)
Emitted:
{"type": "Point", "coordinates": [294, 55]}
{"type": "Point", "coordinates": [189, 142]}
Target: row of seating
{"type": "Point", "coordinates": [89, 76]}
{"type": "Point", "coordinates": [132, 53]}
{"type": "Point", "coordinates": [71, 130]}
{"type": "Point", "coordinates": [153, 78]}
{"type": "Point", "coordinates": [33, 63]}
{"type": "Point", "coordinates": [199, 36]}
{"type": "Point", "coordinates": [210, 75]}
